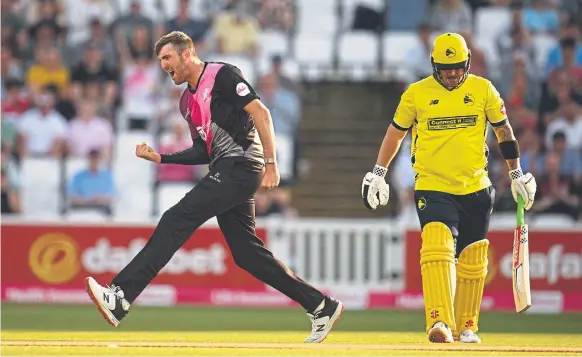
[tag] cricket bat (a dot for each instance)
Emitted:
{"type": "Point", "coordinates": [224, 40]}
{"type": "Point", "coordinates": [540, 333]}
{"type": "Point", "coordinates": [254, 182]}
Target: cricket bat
{"type": "Point", "coordinates": [520, 271]}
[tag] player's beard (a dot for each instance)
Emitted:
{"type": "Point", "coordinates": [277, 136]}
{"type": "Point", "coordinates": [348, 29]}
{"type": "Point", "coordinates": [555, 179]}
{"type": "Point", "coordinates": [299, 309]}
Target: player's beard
{"type": "Point", "coordinates": [180, 73]}
{"type": "Point", "coordinates": [452, 82]}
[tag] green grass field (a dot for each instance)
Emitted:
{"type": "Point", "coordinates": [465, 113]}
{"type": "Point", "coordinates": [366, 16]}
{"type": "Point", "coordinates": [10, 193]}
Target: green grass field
{"type": "Point", "coordinates": [59, 330]}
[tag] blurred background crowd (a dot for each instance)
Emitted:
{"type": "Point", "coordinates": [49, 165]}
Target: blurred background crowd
{"type": "Point", "coordinates": [80, 86]}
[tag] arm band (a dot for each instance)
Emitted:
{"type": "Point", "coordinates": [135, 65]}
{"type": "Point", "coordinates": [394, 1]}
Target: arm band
{"type": "Point", "coordinates": [509, 149]}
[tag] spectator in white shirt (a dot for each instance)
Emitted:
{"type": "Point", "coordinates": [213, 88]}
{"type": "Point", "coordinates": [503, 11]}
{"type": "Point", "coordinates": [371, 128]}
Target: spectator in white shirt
{"type": "Point", "coordinates": [451, 16]}
{"type": "Point", "coordinates": [42, 130]}
{"type": "Point", "coordinates": [569, 122]}
{"type": "Point", "coordinates": [419, 56]}
{"type": "Point", "coordinates": [88, 132]}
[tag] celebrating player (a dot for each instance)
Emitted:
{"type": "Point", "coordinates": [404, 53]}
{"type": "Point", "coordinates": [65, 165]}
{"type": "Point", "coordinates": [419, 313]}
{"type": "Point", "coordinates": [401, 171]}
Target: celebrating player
{"type": "Point", "coordinates": [448, 114]}
{"type": "Point", "coordinates": [224, 114]}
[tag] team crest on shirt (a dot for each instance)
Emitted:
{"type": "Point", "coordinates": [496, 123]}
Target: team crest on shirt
{"type": "Point", "coordinates": [469, 99]}
{"type": "Point", "coordinates": [502, 109]}
{"type": "Point", "coordinates": [421, 204]}
{"type": "Point", "coordinates": [242, 89]}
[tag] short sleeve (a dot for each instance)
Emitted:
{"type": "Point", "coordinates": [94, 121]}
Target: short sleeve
{"type": "Point", "coordinates": [234, 87]}
{"type": "Point", "coordinates": [494, 106]}
{"type": "Point", "coordinates": [406, 111]}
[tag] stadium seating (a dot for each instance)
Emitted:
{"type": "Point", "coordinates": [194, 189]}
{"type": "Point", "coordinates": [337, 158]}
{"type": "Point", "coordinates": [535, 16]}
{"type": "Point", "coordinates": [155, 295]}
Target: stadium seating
{"type": "Point", "coordinates": [358, 48]}
{"type": "Point", "coordinates": [89, 216]}
{"type": "Point", "coordinates": [321, 44]}
{"type": "Point", "coordinates": [488, 45]}
{"type": "Point", "coordinates": [492, 21]}
{"type": "Point", "coordinates": [397, 45]}
{"type": "Point", "coordinates": [170, 194]}
{"type": "Point", "coordinates": [317, 17]}
{"type": "Point", "coordinates": [314, 53]}
{"type": "Point", "coordinates": [40, 187]}
{"type": "Point", "coordinates": [133, 176]}
{"type": "Point", "coordinates": [246, 65]}
{"type": "Point", "coordinates": [406, 15]}
{"type": "Point", "coordinates": [274, 43]}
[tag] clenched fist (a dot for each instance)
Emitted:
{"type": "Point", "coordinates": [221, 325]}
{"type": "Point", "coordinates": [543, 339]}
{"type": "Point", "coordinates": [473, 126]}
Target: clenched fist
{"type": "Point", "coordinates": [145, 151]}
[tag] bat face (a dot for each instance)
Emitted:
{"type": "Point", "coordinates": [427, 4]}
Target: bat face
{"type": "Point", "coordinates": [521, 285]}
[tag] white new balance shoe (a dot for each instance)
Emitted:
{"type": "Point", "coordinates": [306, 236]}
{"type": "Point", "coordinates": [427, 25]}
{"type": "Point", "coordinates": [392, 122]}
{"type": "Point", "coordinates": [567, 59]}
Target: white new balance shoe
{"type": "Point", "coordinates": [469, 336]}
{"type": "Point", "coordinates": [440, 333]}
{"type": "Point", "coordinates": [109, 300]}
{"type": "Point", "coordinates": [323, 319]}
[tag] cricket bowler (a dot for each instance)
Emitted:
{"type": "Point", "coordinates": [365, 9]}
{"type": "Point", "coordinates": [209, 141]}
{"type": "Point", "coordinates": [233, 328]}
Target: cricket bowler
{"type": "Point", "coordinates": [448, 114]}
{"type": "Point", "coordinates": [232, 131]}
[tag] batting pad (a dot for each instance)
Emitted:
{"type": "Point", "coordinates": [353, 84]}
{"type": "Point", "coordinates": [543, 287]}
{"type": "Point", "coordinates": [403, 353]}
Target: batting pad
{"type": "Point", "coordinates": [471, 273]}
{"type": "Point", "coordinates": [437, 265]}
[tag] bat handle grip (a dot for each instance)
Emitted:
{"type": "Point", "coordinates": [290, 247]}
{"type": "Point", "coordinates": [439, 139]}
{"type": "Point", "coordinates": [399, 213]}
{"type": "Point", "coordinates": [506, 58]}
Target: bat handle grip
{"type": "Point", "coordinates": [520, 211]}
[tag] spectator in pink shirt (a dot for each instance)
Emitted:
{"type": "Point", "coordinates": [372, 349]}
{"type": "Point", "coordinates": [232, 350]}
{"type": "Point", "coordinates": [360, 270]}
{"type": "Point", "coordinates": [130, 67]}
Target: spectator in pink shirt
{"type": "Point", "coordinates": [89, 132]}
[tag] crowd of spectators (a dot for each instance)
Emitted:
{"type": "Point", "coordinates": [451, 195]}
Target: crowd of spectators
{"type": "Point", "coordinates": [72, 70]}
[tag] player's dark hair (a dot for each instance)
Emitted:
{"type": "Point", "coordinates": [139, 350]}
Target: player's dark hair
{"type": "Point", "coordinates": [178, 39]}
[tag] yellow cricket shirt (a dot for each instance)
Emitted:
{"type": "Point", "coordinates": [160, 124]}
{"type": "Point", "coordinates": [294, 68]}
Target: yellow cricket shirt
{"type": "Point", "coordinates": [449, 129]}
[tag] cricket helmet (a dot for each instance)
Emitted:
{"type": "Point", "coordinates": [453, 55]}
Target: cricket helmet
{"type": "Point", "coordinates": [450, 51]}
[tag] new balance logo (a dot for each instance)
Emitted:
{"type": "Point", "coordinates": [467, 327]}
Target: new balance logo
{"type": "Point", "coordinates": [106, 297]}
{"type": "Point", "coordinates": [434, 102]}
{"type": "Point", "coordinates": [320, 328]}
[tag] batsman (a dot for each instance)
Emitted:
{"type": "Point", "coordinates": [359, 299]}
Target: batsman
{"type": "Point", "coordinates": [448, 113]}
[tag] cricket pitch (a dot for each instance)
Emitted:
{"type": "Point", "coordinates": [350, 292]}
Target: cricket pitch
{"type": "Point", "coordinates": [280, 343]}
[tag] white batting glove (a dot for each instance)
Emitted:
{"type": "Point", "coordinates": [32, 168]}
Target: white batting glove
{"type": "Point", "coordinates": [523, 185]}
{"type": "Point", "coordinates": [375, 190]}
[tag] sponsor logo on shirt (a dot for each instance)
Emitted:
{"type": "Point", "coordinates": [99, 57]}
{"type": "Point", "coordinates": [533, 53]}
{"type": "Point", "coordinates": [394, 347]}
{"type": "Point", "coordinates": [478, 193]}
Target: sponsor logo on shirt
{"type": "Point", "coordinates": [452, 123]}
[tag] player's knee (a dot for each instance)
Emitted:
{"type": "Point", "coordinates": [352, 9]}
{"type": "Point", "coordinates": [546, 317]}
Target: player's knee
{"type": "Point", "coordinates": [472, 263]}
{"type": "Point", "coordinates": [438, 243]}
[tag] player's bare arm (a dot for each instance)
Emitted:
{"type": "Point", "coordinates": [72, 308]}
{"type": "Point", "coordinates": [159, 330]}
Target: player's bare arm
{"type": "Point", "coordinates": [375, 190]}
{"type": "Point", "coordinates": [523, 185]}
{"type": "Point", "coordinates": [264, 125]}
{"type": "Point", "coordinates": [504, 134]}
{"type": "Point", "coordinates": [390, 145]}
